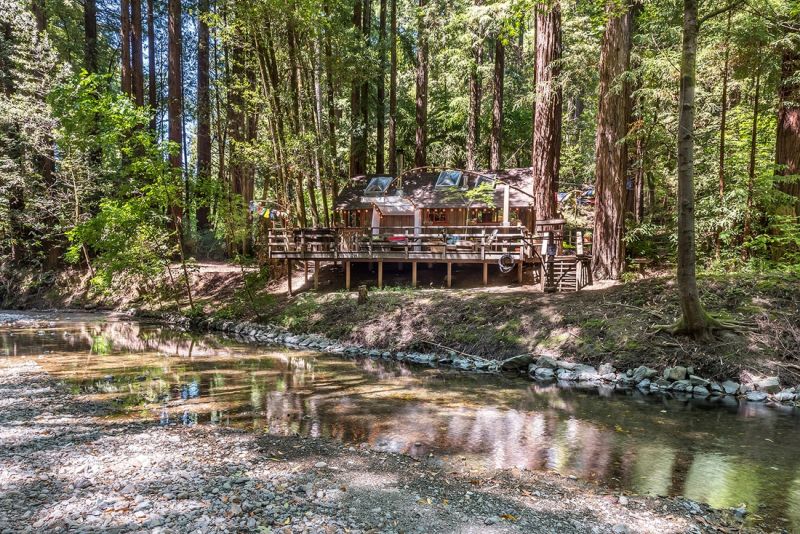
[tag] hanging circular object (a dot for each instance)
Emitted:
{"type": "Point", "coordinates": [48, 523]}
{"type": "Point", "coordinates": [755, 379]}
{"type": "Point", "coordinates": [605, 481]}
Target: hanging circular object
{"type": "Point", "coordinates": [506, 263]}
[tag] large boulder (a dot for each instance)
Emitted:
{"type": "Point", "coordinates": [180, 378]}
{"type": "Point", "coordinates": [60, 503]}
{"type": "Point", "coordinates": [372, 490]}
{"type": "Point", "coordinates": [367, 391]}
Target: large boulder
{"type": "Point", "coordinates": [547, 361]}
{"type": "Point", "coordinates": [785, 395]}
{"type": "Point", "coordinates": [544, 373]}
{"type": "Point", "coordinates": [770, 384]}
{"type": "Point", "coordinates": [675, 373]}
{"type": "Point", "coordinates": [567, 375]}
{"type": "Point", "coordinates": [700, 391]}
{"type": "Point", "coordinates": [681, 385]}
{"type": "Point", "coordinates": [585, 372]}
{"type": "Point", "coordinates": [730, 387]}
{"type": "Point", "coordinates": [642, 372]}
{"type": "Point", "coordinates": [756, 396]}
{"type": "Point", "coordinates": [606, 369]}
{"type": "Point", "coordinates": [515, 363]}
{"type": "Point", "coordinates": [697, 381]}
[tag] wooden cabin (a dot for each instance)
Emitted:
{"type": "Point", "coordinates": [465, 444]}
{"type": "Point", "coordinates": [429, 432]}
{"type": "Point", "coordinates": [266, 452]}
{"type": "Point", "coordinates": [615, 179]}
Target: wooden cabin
{"type": "Point", "coordinates": [445, 216]}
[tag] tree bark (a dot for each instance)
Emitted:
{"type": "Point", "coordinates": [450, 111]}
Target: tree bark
{"type": "Point", "coordinates": [546, 153]}
{"type": "Point", "coordinates": [125, 46]}
{"type": "Point", "coordinates": [137, 67]}
{"type": "Point", "coordinates": [90, 36]}
{"type": "Point", "coordinates": [747, 230]}
{"type": "Point", "coordinates": [39, 10]}
{"type": "Point", "coordinates": [331, 105]}
{"type": "Point", "coordinates": [152, 95]}
{"type": "Point", "coordinates": [358, 160]}
{"type": "Point", "coordinates": [611, 165]}
{"type": "Point", "coordinates": [174, 89]}
{"type": "Point", "coordinates": [723, 119]}
{"type": "Point", "coordinates": [203, 114]}
{"type": "Point", "coordinates": [787, 145]}
{"type": "Point", "coordinates": [475, 95]}
{"type": "Point", "coordinates": [496, 142]}
{"type": "Point", "coordinates": [421, 138]}
{"type": "Point", "coordinates": [694, 321]}
{"type": "Point", "coordinates": [393, 91]}
{"type": "Point", "coordinates": [366, 28]}
{"type": "Point", "coordinates": [380, 109]}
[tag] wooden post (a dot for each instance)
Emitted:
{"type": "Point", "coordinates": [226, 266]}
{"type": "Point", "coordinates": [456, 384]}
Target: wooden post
{"type": "Point", "coordinates": [316, 274]}
{"type": "Point", "coordinates": [519, 273]}
{"type": "Point", "coordinates": [347, 275]}
{"type": "Point", "coordinates": [413, 274]}
{"type": "Point", "coordinates": [578, 274]}
{"type": "Point", "coordinates": [449, 274]}
{"type": "Point", "coordinates": [380, 275]}
{"type": "Point", "coordinates": [485, 274]}
{"type": "Point", "coordinates": [305, 270]}
{"type": "Point", "coordinates": [289, 275]}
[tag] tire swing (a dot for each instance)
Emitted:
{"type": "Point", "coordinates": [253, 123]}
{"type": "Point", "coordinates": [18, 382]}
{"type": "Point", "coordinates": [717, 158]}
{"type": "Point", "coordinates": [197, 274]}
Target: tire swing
{"type": "Point", "coordinates": [506, 263]}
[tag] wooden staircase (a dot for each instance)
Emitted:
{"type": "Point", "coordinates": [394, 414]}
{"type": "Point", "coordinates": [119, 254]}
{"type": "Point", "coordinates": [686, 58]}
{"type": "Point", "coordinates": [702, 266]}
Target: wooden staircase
{"type": "Point", "coordinates": [565, 273]}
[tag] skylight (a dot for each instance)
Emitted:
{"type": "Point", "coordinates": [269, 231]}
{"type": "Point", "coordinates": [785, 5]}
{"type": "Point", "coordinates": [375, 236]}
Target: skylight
{"type": "Point", "coordinates": [378, 185]}
{"type": "Point", "coordinates": [449, 179]}
{"type": "Point", "coordinates": [488, 179]}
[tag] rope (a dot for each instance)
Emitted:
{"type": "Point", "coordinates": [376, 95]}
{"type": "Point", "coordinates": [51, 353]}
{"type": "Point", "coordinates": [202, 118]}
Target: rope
{"type": "Point", "coordinates": [506, 263]}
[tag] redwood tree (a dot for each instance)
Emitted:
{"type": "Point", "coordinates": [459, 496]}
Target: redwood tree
{"type": "Point", "coordinates": [787, 145]}
{"type": "Point", "coordinates": [546, 156]}
{"type": "Point", "coordinates": [125, 45]}
{"type": "Point", "coordinates": [420, 152]}
{"type": "Point", "coordinates": [475, 95]}
{"type": "Point", "coordinates": [496, 141]}
{"type": "Point", "coordinates": [608, 252]}
{"type": "Point", "coordinates": [174, 82]}
{"type": "Point", "coordinates": [137, 70]}
{"type": "Point", "coordinates": [393, 89]}
{"type": "Point", "coordinates": [203, 111]}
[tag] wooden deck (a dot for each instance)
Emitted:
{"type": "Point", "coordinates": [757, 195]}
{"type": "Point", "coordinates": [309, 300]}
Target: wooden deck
{"type": "Point", "coordinates": [512, 247]}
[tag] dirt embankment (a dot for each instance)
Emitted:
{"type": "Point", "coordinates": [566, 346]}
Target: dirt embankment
{"type": "Point", "coordinates": [610, 324]}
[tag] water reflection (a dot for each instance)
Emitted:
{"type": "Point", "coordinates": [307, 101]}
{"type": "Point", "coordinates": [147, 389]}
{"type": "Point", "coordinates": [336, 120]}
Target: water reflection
{"type": "Point", "coordinates": [718, 452]}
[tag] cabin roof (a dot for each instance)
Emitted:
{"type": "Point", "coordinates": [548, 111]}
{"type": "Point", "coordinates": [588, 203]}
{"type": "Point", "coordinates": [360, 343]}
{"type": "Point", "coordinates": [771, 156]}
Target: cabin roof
{"type": "Point", "coordinates": [420, 189]}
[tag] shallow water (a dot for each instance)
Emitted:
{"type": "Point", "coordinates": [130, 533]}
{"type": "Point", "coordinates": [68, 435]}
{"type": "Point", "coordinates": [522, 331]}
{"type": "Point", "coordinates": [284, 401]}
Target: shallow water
{"type": "Point", "coordinates": [722, 453]}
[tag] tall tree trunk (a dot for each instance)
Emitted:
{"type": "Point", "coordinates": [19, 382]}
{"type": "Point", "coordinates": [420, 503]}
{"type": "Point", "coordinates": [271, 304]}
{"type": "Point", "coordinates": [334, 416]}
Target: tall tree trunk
{"type": "Point", "coordinates": [174, 89]}
{"type": "Point", "coordinates": [152, 95]}
{"type": "Point", "coordinates": [475, 95]}
{"type": "Point", "coordinates": [787, 144]}
{"type": "Point", "coordinates": [747, 230]}
{"type": "Point", "coordinates": [90, 36]}
{"type": "Point", "coordinates": [125, 46]}
{"type": "Point", "coordinates": [694, 321]}
{"type": "Point", "coordinates": [366, 28]}
{"type": "Point", "coordinates": [39, 9]}
{"type": "Point", "coordinates": [203, 115]}
{"type": "Point", "coordinates": [380, 109]}
{"type": "Point", "coordinates": [393, 91]}
{"type": "Point", "coordinates": [608, 246]}
{"type": "Point", "coordinates": [546, 153]}
{"type": "Point", "coordinates": [723, 119]}
{"type": "Point", "coordinates": [331, 105]}
{"type": "Point", "coordinates": [137, 67]}
{"type": "Point", "coordinates": [495, 145]}
{"type": "Point", "coordinates": [420, 152]}
{"type": "Point", "coordinates": [357, 158]}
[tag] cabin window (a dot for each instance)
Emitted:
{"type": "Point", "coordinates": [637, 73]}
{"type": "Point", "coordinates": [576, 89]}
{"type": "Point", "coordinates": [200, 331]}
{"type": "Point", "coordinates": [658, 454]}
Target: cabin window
{"type": "Point", "coordinates": [378, 185]}
{"type": "Point", "coordinates": [449, 179]}
{"type": "Point", "coordinates": [437, 217]}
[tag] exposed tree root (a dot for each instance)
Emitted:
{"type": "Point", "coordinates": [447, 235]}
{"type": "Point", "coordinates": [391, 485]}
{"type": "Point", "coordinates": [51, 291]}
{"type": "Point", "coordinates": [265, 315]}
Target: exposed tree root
{"type": "Point", "coordinates": [710, 330]}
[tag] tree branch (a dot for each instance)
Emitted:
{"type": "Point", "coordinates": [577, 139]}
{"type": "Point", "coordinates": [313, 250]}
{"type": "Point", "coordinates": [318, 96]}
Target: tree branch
{"type": "Point", "coordinates": [724, 9]}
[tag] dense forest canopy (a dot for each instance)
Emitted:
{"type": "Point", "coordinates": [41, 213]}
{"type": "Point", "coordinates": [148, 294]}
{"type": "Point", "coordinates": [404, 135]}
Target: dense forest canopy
{"type": "Point", "coordinates": [134, 131]}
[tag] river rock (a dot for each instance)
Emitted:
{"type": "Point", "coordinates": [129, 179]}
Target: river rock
{"type": "Point", "coordinates": [681, 385]}
{"type": "Point", "coordinates": [516, 363]}
{"type": "Point", "coordinates": [730, 387]}
{"type": "Point", "coordinates": [785, 396]}
{"type": "Point", "coordinates": [700, 391]}
{"type": "Point", "coordinates": [570, 366]}
{"type": "Point", "coordinates": [642, 372]}
{"type": "Point", "coordinates": [675, 373]}
{"type": "Point", "coordinates": [770, 384]}
{"type": "Point", "coordinates": [547, 361]}
{"type": "Point", "coordinates": [567, 375]}
{"type": "Point", "coordinates": [644, 384]}
{"type": "Point", "coordinates": [698, 381]}
{"type": "Point", "coordinates": [544, 373]}
{"type": "Point", "coordinates": [716, 389]}
{"type": "Point", "coordinates": [585, 372]}
{"type": "Point", "coordinates": [756, 396]}
{"type": "Point", "coordinates": [606, 369]}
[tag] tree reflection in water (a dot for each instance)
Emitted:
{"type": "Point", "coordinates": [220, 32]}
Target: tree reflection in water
{"type": "Point", "coordinates": [708, 451]}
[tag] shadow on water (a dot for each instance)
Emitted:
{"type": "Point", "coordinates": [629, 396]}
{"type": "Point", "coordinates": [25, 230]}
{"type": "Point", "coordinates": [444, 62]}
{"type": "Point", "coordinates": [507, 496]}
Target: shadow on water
{"type": "Point", "coordinates": [717, 451]}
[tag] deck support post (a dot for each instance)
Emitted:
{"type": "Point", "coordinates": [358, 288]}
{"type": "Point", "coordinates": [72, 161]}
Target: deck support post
{"type": "Point", "coordinates": [316, 274]}
{"type": "Point", "coordinates": [485, 274]}
{"type": "Point", "coordinates": [289, 275]}
{"type": "Point", "coordinates": [520, 272]}
{"type": "Point", "coordinates": [347, 275]}
{"type": "Point", "coordinates": [380, 275]}
{"type": "Point", "coordinates": [413, 274]}
{"type": "Point", "coordinates": [449, 274]}
{"type": "Point", "coordinates": [305, 270]}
